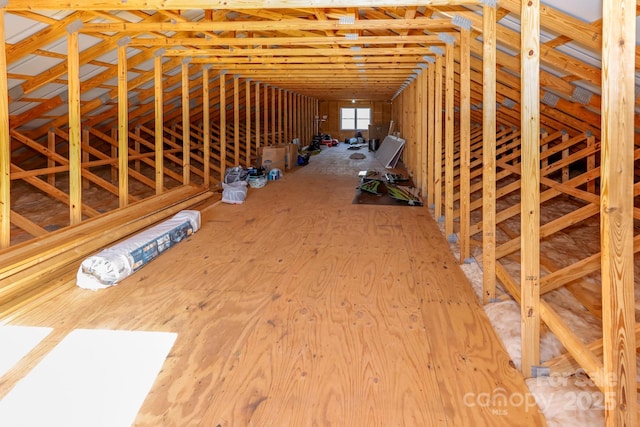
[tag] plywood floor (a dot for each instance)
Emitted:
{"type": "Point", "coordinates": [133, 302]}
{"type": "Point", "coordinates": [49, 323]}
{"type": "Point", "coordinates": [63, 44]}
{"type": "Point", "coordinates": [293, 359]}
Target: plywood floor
{"type": "Point", "coordinates": [299, 308]}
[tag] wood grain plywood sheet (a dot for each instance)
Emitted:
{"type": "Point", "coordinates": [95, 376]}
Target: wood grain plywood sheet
{"type": "Point", "coordinates": [300, 308]}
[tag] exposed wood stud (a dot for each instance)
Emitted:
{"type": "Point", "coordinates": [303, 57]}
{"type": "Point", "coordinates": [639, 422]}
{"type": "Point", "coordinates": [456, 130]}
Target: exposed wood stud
{"type": "Point", "coordinates": [448, 140]}
{"type": "Point", "coordinates": [223, 125]}
{"type": "Point", "coordinates": [206, 126]}
{"type": "Point", "coordinates": [437, 138]}
{"type": "Point", "coordinates": [591, 164]}
{"type": "Point", "coordinates": [431, 155]}
{"type": "Point", "coordinates": [619, 381]}
{"type": "Point", "coordinates": [51, 145]}
{"type": "Point", "coordinates": [159, 124]}
{"type": "Point", "coordinates": [75, 142]}
{"type": "Point", "coordinates": [285, 114]}
{"type": "Point", "coordinates": [236, 120]}
{"type": "Point", "coordinates": [274, 129]}
{"type": "Point", "coordinates": [489, 152]}
{"type": "Point", "coordinates": [5, 146]}
{"type": "Point", "coordinates": [123, 127]}
{"type": "Point", "coordinates": [422, 130]}
{"type": "Point", "coordinates": [465, 141]}
{"type": "Point", "coordinates": [114, 155]}
{"type": "Point", "coordinates": [530, 188]}
{"type": "Point", "coordinates": [136, 147]}
{"type": "Point", "coordinates": [86, 142]}
{"type": "Point", "coordinates": [248, 131]}
{"type": "Point", "coordinates": [186, 125]}
{"type": "Point", "coordinates": [258, 124]}
{"type": "Point", "coordinates": [279, 114]}
{"type": "Point", "coordinates": [265, 110]}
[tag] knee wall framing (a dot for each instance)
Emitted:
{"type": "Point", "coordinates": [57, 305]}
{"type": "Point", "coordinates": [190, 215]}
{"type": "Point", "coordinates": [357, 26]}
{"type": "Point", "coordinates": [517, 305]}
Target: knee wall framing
{"type": "Point", "coordinates": [569, 164]}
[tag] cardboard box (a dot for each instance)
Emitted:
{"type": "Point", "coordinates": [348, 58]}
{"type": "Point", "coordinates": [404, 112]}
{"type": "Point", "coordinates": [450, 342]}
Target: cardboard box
{"type": "Point", "coordinates": [292, 156]}
{"type": "Point", "coordinates": [378, 131]}
{"type": "Point", "coordinates": [277, 155]}
{"type": "Point", "coordinates": [282, 156]}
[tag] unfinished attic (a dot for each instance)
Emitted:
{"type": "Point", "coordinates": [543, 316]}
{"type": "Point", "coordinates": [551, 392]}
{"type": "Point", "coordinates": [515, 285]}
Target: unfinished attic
{"type": "Point", "coordinates": [509, 298]}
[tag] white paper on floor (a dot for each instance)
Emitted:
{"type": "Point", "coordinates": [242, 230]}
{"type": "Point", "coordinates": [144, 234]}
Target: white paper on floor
{"type": "Point", "coordinates": [91, 378]}
{"type": "Point", "coordinates": [16, 342]}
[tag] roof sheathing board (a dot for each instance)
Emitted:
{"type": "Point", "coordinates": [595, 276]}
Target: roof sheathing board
{"type": "Point", "coordinates": [18, 28]}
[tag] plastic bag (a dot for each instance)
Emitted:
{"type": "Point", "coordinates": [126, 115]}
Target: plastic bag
{"type": "Point", "coordinates": [235, 192]}
{"type": "Point", "coordinates": [111, 265]}
{"type": "Point", "coordinates": [235, 174]}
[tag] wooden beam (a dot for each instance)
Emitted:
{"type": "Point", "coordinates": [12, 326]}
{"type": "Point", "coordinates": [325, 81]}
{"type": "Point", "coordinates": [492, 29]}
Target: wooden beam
{"type": "Point", "coordinates": [25, 224]}
{"type": "Point", "coordinates": [288, 115]}
{"type": "Point", "coordinates": [616, 213]}
{"type": "Point", "coordinates": [591, 164]}
{"type": "Point", "coordinates": [247, 123]}
{"type": "Point", "coordinates": [59, 70]}
{"type": "Point", "coordinates": [114, 154]}
{"type": "Point", "coordinates": [5, 147]}
{"type": "Point", "coordinates": [489, 152]}
{"type": "Point", "coordinates": [589, 35]}
{"type": "Point", "coordinates": [295, 120]}
{"type": "Point", "coordinates": [53, 191]}
{"type": "Point", "coordinates": [437, 140]}
{"type": "Point", "coordinates": [285, 117]}
{"type": "Point", "coordinates": [307, 62]}
{"type": "Point", "coordinates": [465, 141]}
{"type": "Point", "coordinates": [123, 126]}
{"type": "Point", "coordinates": [236, 120]}
{"type": "Point", "coordinates": [265, 125]}
{"type": "Point", "coordinates": [41, 39]}
{"type": "Point", "coordinates": [217, 4]}
{"type": "Point", "coordinates": [159, 123]}
{"type": "Point", "coordinates": [257, 103]}
{"type": "Point", "coordinates": [51, 146]}
{"type": "Point", "coordinates": [284, 25]}
{"type": "Point", "coordinates": [223, 124]}
{"type": "Point", "coordinates": [274, 129]}
{"type": "Point", "coordinates": [136, 148]}
{"type": "Point", "coordinates": [287, 41]}
{"type": "Point", "coordinates": [423, 88]}
{"type": "Point", "coordinates": [530, 188]}
{"type": "Point", "coordinates": [206, 126]}
{"type": "Point", "coordinates": [577, 270]}
{"type": "Point", "coordinates": [294, 52]}
{"type": "Point", "coordinates": [75, 130]}
{"type": "Point", "coordinates": [580, 352]}
{"type": "Point", "coordinates": [186, 125]}
{"type": "Point", "coordinates": [448, 140]}
{"type": "Point", "coordinates": [86, 156]}
{"type": "Point", "coordinates": [279, 117]}
{"type": "Point", "coordinates": [431, 157]}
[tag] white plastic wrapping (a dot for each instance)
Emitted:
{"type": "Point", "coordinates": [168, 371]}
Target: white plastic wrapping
{"type": "Point", "coordinates": [113, 264]}
{"type": "Point", "coordinates": [234, 193]}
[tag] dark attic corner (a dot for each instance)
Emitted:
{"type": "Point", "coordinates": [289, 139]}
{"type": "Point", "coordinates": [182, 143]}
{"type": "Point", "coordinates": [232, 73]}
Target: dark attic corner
{"type": "Point", "coordinates": [319, 212]}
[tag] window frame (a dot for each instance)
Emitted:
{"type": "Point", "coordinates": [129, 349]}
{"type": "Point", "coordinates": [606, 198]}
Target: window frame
{"type": "Point", "coordinates": [354, 120]}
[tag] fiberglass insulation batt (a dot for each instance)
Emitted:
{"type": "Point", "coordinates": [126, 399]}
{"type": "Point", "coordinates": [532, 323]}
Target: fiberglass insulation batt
{"type": "Point", "coordinates": [113, 264]}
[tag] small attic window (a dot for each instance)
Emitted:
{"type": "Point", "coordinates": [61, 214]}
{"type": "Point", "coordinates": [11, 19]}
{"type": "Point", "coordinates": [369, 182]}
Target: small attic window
{"type": "Point", "coordinates": [355, 118]}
